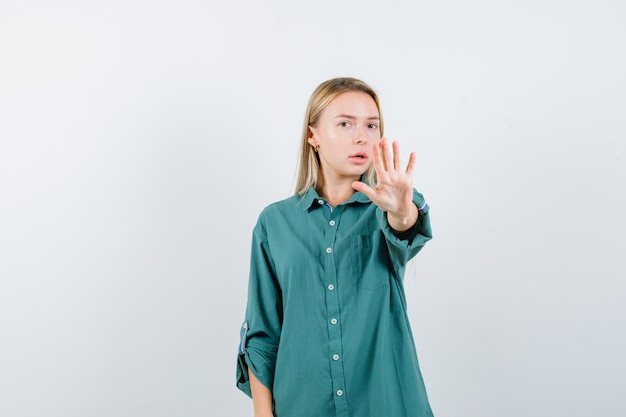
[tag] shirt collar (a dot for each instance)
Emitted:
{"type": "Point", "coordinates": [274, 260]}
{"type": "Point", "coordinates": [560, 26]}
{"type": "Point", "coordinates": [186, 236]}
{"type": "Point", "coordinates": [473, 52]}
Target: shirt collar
{"type": "Point", "coordinates": [311, 199]}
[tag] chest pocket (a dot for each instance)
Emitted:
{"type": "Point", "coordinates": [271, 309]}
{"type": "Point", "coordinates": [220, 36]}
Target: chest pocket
{"type": "Point", "coordinates": [370, 262]}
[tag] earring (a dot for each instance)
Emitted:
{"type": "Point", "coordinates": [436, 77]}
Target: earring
{"type": "Point", "coordinates": [316, 148]}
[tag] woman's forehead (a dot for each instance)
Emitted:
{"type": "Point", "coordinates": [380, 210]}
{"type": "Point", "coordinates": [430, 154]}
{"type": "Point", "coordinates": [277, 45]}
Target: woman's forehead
{"type": "Point", "coordinates": [353, 103]}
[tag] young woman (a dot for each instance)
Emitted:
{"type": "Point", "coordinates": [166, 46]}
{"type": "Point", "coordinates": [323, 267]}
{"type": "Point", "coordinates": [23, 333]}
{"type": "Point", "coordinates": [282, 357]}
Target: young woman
{"type": "Point", "coordinates": [326, 330]}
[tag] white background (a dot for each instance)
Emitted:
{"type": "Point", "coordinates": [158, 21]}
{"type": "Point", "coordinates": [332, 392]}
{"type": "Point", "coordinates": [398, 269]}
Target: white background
{"type": "Point", "coordinates": [139, 140]}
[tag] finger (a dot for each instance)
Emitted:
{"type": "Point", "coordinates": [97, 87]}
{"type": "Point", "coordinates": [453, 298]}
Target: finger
{"type": "Point", "coordinates": [411, 164]}
{"type": "Point", "coordinates": [396, 155]}
{"type": "Point", "coordinates": [377, 160]}
{"type": "Point", "coordinates": [385, 155]}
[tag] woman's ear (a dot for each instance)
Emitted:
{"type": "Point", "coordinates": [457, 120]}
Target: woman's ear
{"type": "Point", "coordinates": [312, 140]}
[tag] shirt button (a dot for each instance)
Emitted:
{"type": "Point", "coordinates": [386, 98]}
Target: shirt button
{"type": "Point", "coordinates": [339, 393]}
{"type": "Point", "coordinates": [332, 222]}
{"type": "Point", "coordinates": [331, 287]}
{"type": "Point", "coordinates": [320, 202]}
{"type": "Point", "coordinates": [335, 357]}
{"type": "Point", "coordinates": [333, 321]}
{"type": "Point", "coordinates": [329, 250]}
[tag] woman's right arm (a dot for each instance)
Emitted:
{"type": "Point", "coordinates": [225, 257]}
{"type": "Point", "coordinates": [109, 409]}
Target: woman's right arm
{"type": "Point", "coordinates": [261, 397]}
{"type": "Point", "coordinates": [261, 331]}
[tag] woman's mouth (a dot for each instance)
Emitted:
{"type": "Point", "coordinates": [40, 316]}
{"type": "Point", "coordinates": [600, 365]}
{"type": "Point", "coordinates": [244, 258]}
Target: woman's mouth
{"type": "Point", "coordinates": [358, 158]}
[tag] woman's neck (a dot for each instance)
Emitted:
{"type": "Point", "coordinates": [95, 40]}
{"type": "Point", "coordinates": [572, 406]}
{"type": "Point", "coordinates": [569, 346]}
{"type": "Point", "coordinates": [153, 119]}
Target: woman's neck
{"type": "Point", "coordinates": [335, 191]}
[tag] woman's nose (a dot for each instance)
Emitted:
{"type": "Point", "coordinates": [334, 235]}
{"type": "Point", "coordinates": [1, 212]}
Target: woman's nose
{"type": "Point", "coordinates": [360, 137]}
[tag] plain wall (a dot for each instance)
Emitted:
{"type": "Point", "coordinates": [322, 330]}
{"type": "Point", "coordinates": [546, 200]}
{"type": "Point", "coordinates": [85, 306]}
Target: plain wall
{"type": "Point", "coordinates": [139, 141]}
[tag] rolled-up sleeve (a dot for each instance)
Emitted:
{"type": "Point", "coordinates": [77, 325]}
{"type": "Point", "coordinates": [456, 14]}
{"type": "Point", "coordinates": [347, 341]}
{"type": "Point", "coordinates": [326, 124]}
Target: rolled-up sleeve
{"type": "Point", "coordinates": [405, 246]}
{"type": "Point", "coordinates": [260, 332]}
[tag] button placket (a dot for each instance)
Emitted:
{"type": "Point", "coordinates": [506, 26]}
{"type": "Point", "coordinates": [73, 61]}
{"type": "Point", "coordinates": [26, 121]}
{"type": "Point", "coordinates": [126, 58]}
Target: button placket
{"type": "Point", "coordinates": [333, 292]}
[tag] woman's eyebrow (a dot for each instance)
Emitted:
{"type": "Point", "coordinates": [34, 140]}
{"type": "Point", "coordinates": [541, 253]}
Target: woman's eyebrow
{"type": "Point", "coordinates": [348, 116]}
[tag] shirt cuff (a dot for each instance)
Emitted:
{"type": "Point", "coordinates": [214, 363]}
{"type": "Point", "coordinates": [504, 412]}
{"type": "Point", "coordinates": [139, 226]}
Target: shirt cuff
{"type": "Point", "coordinates": [417, 235]}
{"type": "Point", "coordinates": [259, 358]}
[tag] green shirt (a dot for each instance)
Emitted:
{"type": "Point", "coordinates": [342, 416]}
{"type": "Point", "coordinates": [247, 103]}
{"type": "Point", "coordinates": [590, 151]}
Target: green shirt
{"type": "Point", "coordinates": [326, 327]}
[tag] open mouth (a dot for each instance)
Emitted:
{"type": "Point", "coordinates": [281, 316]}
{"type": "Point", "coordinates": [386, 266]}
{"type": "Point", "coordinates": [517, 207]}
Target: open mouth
{"type": "Point", "coordinates": [359, 156]}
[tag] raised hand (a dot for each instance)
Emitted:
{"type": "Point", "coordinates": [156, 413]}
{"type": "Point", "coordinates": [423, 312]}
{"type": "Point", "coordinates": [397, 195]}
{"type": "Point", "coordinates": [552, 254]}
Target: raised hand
{"type": "Point", "coordinates": [394, 189]}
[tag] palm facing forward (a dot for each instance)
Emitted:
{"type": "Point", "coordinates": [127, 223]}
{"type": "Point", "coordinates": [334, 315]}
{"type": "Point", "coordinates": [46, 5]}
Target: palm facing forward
{"type": "Point", "coordinates": [394, 188]}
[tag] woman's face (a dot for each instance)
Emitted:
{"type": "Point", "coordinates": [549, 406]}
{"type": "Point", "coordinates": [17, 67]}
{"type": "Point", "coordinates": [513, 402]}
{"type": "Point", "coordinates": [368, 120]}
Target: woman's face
{"type": "Point", "coordinates": [345, 133]}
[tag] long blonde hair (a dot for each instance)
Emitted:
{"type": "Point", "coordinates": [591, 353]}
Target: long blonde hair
{"type": "Point", "coordinates": [309, 166]}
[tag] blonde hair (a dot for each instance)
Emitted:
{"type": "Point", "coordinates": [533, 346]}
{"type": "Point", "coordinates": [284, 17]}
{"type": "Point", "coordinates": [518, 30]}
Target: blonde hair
{"type": "Point", "coordinates": [309, 165]}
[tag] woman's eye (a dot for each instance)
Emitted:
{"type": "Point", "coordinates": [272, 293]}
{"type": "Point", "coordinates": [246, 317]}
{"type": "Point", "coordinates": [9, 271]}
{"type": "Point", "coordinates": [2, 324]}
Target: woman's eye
{"type": "Point", "coordinates": [373, 126]}
{"type": "Point", "coordinates": [344, 124]}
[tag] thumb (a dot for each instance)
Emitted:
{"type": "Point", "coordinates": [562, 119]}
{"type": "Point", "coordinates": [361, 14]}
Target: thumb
{"type": "Point", "coordinates": [365, 189]}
